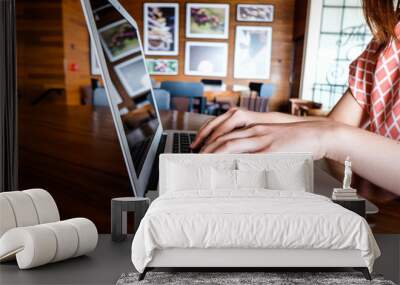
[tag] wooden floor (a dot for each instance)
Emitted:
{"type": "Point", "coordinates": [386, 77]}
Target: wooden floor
{"type": "Point", "coordinates": [73, 152]}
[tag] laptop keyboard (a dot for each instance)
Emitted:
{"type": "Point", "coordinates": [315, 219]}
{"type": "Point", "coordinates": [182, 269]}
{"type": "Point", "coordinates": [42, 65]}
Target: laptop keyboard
{"type": "Point", "coordinates": [182, 141]}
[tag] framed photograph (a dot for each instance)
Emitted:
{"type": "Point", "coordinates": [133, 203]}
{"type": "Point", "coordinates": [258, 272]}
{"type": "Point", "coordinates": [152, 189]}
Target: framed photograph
{"type": "Point", "coordinates": [252, 52]}
{"type": "Point", "coordinates": [206, 58]}
{"type": "Point", "coordinates": [133, 76]}
{"type": "Point", "coordinates": [207, 20]}
{"type": "Point", "coordinates": [255, 13]}
{"type": "Point", "coordinates": [161, 28]}
{"type": "Point", "coordinates": [119, 39]}
{"type": "Point", "coordinates": [94, 64]}
{"type": "Point", "coordinates": [162, 66]}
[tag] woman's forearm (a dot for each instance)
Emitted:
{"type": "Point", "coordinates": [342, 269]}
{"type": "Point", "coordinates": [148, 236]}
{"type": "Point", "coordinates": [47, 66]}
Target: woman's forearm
{"type": "Point", "coordinates": [281, 118]}
{"type": "Point", "coordinates": [374, 157]}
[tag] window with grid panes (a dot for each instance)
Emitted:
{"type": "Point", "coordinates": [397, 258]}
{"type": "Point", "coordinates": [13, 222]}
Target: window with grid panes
{"type": "Point", "coordinates": [344, 34]}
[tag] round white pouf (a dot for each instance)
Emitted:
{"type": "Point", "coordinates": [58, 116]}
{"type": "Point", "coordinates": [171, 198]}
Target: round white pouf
{"type": "Point", "coordinates": [87, 233]}
{"type": "Point", "coordinates": [23, 208]}
{"type": "Point", "coordinates": [7, 218]}
{"type": "Point", "coordinates": [67, 240]}
{"type": "Point", "coordinates": [37, 245]}
{"type": "Point", "coordinates": [33, 246]}
{"type": "Point", "coordinates": [45, 205]}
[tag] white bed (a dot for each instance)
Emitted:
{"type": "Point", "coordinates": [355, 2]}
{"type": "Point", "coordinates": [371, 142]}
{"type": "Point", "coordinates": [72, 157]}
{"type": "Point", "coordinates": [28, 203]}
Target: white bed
{"type": "Point", "coordinates": [209, 226]}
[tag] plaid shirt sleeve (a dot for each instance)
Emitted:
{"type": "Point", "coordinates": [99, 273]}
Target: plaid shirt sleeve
{"type": "Point", "coordinates": [361, 72]}
{"type": "Point", "coordinates": [374, 81]}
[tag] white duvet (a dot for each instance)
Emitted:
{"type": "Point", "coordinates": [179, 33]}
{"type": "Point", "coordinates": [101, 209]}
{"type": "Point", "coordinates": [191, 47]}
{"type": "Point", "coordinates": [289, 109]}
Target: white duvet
{"type": "Point", "coordinates": [250, 218]}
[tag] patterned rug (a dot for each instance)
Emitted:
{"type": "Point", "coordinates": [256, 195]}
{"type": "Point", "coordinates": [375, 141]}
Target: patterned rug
{"type": "Point", "coordinates": [243, 278]}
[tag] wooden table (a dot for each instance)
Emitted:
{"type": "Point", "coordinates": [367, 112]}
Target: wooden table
{"type": "Point", "coordinates": [73, 152]}
{"type": "Point", "coordinates": [225, 94]}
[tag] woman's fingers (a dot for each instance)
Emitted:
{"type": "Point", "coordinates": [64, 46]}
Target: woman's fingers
{"type": "Point", "coordinates": [238, 119]}
{"type": "Point", "coordinates": [245, 145]}
{"type": "Point", "coordinates": [208, 127]}
{"type": "Point", "coordinates": [251, 131]}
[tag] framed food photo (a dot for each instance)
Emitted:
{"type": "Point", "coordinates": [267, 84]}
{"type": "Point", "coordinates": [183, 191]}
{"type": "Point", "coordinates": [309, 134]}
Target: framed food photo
{"type": "Point", "coordinates": [207, 20]}
{"type": "Point", "coordinates": [253, 52]}
{"type": "Point", "coordinates": [162, 66]}
{"type": "Point", "coordinates": [119, 39]}
{"type": "Point", "coordinates": [133, 76]}
{"type": "Point", "coordinates": [161, 28]}
{"type": "Point", "coordinates": [206, 58]}
{"type": "Point", "coordinates": [255, 13]}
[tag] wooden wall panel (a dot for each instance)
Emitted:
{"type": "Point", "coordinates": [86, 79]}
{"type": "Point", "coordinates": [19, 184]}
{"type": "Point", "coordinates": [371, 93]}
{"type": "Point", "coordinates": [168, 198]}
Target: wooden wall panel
{"type": "Point", "coordinates": [299, 27]}
{"type": "Point", "coordinates": [52, 35]}
{"type": "Point", "coordinates": [39, 47]}
{"type": "Point", "coordinates": [76, 50]}
{"type": "Point", "coordinates": [282, 42]}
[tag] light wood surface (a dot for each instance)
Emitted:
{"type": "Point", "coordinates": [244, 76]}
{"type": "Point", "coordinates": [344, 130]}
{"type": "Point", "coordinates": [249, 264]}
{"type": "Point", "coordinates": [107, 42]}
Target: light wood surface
{"type": "Point", "coordinates": [74, 153]}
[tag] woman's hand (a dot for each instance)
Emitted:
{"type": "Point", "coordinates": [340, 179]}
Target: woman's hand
{"type": "Point", "coordinates": [237, 118]}
{"type": "Point", "coordinates": [313, 136]}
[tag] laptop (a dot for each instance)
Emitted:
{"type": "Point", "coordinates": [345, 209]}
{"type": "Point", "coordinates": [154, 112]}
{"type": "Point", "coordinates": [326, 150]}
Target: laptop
{"type": "Point", "coordinates": [116, 40]}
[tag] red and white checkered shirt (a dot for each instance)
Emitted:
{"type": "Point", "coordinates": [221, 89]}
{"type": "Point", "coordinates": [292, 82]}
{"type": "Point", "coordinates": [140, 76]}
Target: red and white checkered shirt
{"type": "Point", "coordinates": [374, 81]}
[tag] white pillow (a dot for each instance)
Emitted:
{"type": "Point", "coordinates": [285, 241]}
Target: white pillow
{"type": "Point", "coordinates": [281, 174]}
{"type": "Point", "coordinates": [251, 179]}
{"type": "Point", "coordinates": [291, 179]}
{"type": "Point", "coordinates": [226, 179]}
{"type": "Point", "coordinates": [188, 177]}
{"type": "Point", "coordinates": [223, 179]}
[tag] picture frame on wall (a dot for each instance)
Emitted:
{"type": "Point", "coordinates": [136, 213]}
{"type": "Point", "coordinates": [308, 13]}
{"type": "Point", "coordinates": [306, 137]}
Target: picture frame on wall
{"type": "Point", "coordinates": [255, 13]}
{"type": "Point", "coordinates": [207, 20]}
{"type": "Point", "coordinates": [161, 28]}
{"type": "Point", "coordinates": [117, 42]}
{"type": "Point", "coordinates": [162, 66]}
{"type": "Point", "coordinates": [252, 58]}
{"type": "Point", "coordinates": [94, 63]}
{"type": "Point", "coordinates": [206, 58]}
{"type": "Point", "coordinates": [133, 76]}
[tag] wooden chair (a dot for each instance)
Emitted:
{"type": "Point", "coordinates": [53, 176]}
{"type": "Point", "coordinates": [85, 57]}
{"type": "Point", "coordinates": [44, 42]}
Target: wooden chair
{"type": "Point", "coordinates": [254, 102]}
{"type": "Point", "coordinates": [255, 86]}
{"type": "Point", "coordinates": [301, 107]}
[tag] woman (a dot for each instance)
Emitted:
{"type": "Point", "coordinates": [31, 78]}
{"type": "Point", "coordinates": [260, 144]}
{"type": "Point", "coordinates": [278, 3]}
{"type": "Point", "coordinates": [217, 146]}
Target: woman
{"type": "Point", "coordinates": [372, 99]}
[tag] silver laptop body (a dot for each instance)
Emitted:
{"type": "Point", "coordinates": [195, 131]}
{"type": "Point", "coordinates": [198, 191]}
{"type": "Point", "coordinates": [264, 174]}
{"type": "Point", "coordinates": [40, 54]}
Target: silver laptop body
{"type": "Point", "coordinates": [115, 37]}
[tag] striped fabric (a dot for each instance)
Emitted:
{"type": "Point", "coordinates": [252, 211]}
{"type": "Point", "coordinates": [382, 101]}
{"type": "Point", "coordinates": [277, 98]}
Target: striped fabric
{"type": "Point", "coordinates": [374, 81]}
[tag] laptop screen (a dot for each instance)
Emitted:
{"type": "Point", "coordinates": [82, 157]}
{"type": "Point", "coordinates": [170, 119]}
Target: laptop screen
{"type": "Point", "coordinates": [131, 83]}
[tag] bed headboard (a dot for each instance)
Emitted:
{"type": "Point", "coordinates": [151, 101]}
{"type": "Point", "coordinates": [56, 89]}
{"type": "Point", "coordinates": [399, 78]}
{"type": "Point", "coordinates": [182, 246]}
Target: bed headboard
{"type": "Point", "coordinates": [234, 161]}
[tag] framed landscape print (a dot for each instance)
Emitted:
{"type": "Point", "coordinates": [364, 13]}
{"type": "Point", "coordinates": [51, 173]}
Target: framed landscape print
{"type": "Point", "coordinates": [255, 13]}
{"type": "Point", "coordinates": [119, 39]}
{"type": "Point", "coordinates": [206, 58]}
{"type": "Point", "coordinates": [207, 20]}
{"type": "Point", "coordinates": [162, 66]}
{"type": "Point", "coordinates": [133, 76]}
{"type": "Point", "coordinates": [252, 52]}
{"type": "Point", "coordinates": [161, 28]}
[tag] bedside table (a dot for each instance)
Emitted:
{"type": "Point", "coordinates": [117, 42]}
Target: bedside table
{"type": "Point", "coordinates": [357, 205]}
{"type": "Point", "coordinates": [119, 209]}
